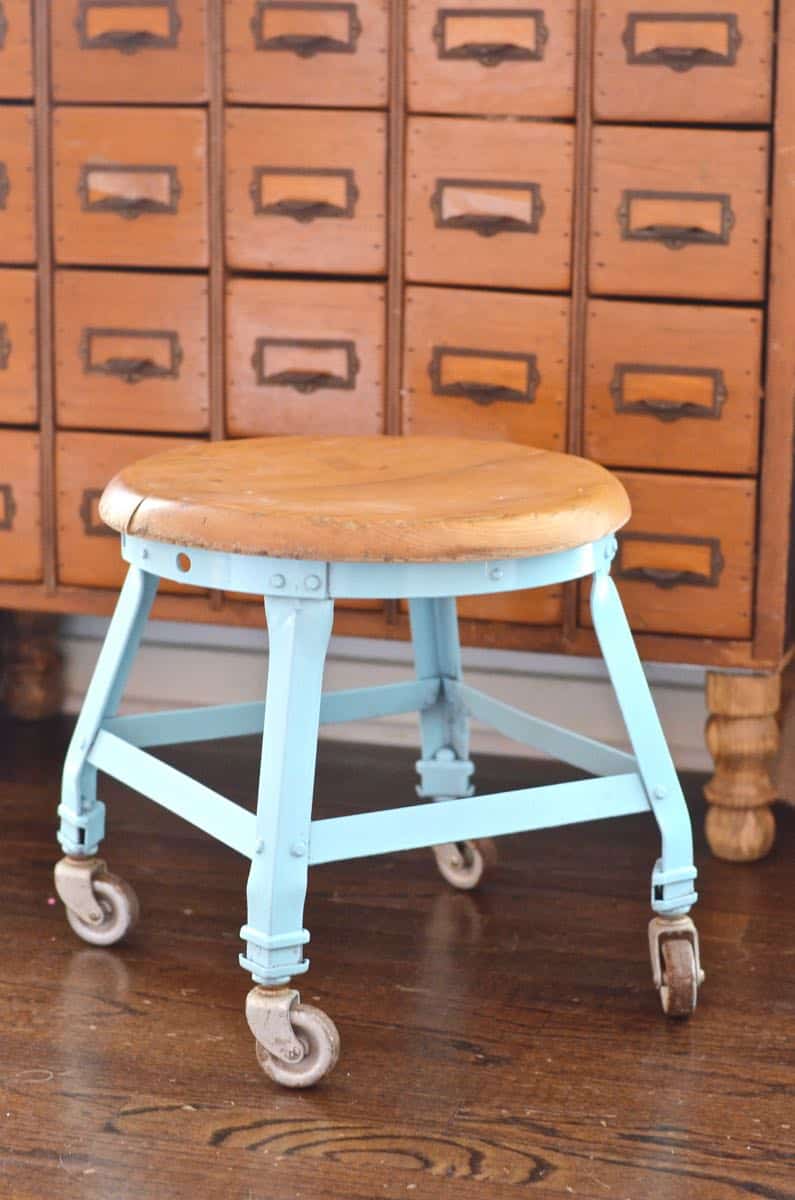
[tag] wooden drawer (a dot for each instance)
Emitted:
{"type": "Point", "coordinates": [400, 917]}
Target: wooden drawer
{"type": "Point", "coordinates": [18, 389]}
{"type": "Point", "coordinates": [306, 191]}
{"type": "Point", "coordinates": [129, 50]}
{"type": "Point", "coordinates": [131, 351]}
{"type": "Point", "coordinates": [489, 203]}
{"type": "Point", "coordinates": [89, 554]}
{"type": "Point", "coordinates": [130, 187]}
{"type": "Point", "coordinates": [675, 387]}
{"type": "Point", "coordinates": [679, 212]}
{"type": "Point", "coordinates": [486, 365]}
{"type": "Point", "coordinates": [686, 559]}
{"type": "Point", "coordinates": [307, 52]}
{"type": "Point", "coordinates": [684, 60]}
{"type": "Point", "coordinates": [304, 357]}
{"type": "Point", "coordinates": [482, 56]}
{"type": "Point", "coordinates": [538, 606]}
{"type": "Point", "coordinates": [16, 54]}
{"type": "Point", "coordinates": [17, 222]}
{"type": "Point", "coordinates": [20, 506]}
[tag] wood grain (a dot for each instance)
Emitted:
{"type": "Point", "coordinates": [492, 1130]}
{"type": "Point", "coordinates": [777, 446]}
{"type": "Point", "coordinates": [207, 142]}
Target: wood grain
{"type": "Point", "coordinates": [495, 1045]}
{"type": "Point", "coordinates": [20, 506]}
{"type": "Point", "coordinates": [18, 348]}
{"type": "Point", "coordinates": [367, 499]}
{"type": "Point", "coordinates": [17, 212]}
{"type": "Point", "coordinates": [16, 52]}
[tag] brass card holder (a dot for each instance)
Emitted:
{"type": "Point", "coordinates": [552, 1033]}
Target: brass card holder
{"type": "Point", "coordinates": [8, 506]}
{"type": "Point", "coordinates": [127, 368]}
{"type": "Point", "coordinates": [452, 360]}
{"type": "Point", "coordinates": [129, 37]}
{"type": "Point", "coordinates": [305, 208]}
{"type": "Point", "coordinates": [306, 380]}
{"type": "Point", "coordinates": [687, 54]}
{"type": "Point", "coordinates": [667, 578]}
{"type": "Point", "coordinates": [299, 41]}
{"type": "Point", "coordinates": [5, 346]}
{"type": "Point", "coordinates": [138, 202]}
{"type": "Point", "coordinates": [661, 407]}
{"type": "Point", "coordinates": [5, 185]}
{"type": "Point", "coordinates": [490, 51]}
{"type": "Point", "coordinates": [451, 193]}
{"type": "Point", "coordinates": [93, 526]}
{"type": "Point", "coordinates": [709, 223]}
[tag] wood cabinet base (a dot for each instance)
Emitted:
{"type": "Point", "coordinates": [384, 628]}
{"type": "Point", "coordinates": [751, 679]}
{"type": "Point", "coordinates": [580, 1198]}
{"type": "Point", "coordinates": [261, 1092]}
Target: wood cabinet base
{"type": "Point", "coordinates": [743, 737]}
{"type": "Point", "coordinates": [33, 678]}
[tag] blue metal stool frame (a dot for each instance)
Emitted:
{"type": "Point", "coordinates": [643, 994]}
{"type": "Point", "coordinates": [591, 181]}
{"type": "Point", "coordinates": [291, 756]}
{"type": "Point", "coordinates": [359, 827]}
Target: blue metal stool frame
{"type": "Point", "coordinates": [297, 1044]}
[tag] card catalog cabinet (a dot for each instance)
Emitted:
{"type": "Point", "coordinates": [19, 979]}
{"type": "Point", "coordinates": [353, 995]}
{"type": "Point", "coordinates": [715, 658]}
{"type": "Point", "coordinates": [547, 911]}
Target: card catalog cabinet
{"type": "Point", "coordinates": [565, 224]}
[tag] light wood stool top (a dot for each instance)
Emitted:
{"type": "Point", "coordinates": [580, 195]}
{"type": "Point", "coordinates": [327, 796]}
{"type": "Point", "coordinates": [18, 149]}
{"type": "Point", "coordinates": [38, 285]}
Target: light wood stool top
{"type": "Point", "coordinates": [367, 499]}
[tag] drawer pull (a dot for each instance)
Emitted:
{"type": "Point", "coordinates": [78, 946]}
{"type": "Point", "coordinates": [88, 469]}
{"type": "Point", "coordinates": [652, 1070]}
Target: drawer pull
{"type": "Point", "coordinates": [5, 346]}
{"type": "Point", "coordinates": [704, 557]}
{"type": "Point", "coordinates": [9, 506]}
{"type": "Point", "coordinates": [471, 374]}
{"type": "Point", "coordinates": [632, 382]}
{"type": "Point", "coordinates": [5, 185]}
{"type": "Point", "coordinates": [89, 514]}
{"type": "Point", "coordinates": [487, 208]}
{"type": "Point", "coordinates": [293, 27]}
{"type": "Point", "coordinates": [306, 365]}
{"type": "Point", "coordinates": [302, 202]}
{"type": "Point", "coordinates": [110, 352]}
{"type": "Point", "coordinates": [648, 216]}
{"type": "Point", "coordinates": [696, 40]}
{"type": "Point", "coordinates": [96, 32]}
{"type": "Point", "coordinates": [458, 34]}
{"type": "Point", "coordinates": [130, 191]}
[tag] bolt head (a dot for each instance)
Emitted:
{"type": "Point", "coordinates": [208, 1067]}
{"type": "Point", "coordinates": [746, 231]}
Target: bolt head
{"type": "Point", "coordinates": [298, 849]}
{"type": "Point", "coordinates": [312, 583]}
{"type": "Point", "coordinates": [660, 793]}
{"type": "Point", "coordinates": [496, 573]}
{"type": "Point", "coordinates": [260, 846]}
{"type": "Point", "coordinates": [278, 581]}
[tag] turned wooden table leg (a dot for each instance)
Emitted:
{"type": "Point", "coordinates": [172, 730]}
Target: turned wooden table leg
{"type": "Point", "coordinates": [743, 737]}
{"type": "Point", "coordinates": [32, 666]}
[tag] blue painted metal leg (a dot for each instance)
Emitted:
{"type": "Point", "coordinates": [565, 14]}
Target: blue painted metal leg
{"type": "Point", "coordinates": [82, 815]}
{"type": "Point", "coordinates": [674, 873]}
{"type": "Point", "coordinates": [445, 769]}
{"type": "Point", "coordinates": [299, 632]}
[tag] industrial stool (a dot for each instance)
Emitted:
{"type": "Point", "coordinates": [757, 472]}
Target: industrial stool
{"type": "Point", "coordinates": [301, 521]}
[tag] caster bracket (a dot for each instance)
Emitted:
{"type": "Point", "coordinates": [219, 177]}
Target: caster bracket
{"type": "Point", "coordinates": [268, 1015]}
{"type": "Point", "coordinates": [74, 883]}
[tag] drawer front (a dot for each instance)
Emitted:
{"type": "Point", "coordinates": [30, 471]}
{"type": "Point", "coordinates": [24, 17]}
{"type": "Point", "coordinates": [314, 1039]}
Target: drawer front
{"type": "Point", "coordinates": [130, 187]}
{"type": "Point", "coordinates": [89, 553]}
{"type": "Point", "coordinates": [489, 203]}
{"type": "Point", "coordinates": [16, 54]}
{"type": "Point", "coordinates": [131, 351]}
{"type": "Point", "coordinates": [18, 394]}
{"type": "Point", "coordinates": [539, 606]}
{"type": "Point", "coordinates": [673, 387]}
{"type": "Point", "coordinates": [308, 52]}
{"type": "Point", "coordinates": [129, 50]}
{"type": "Point", "coordinates": [686, 558]}
{"type": "Point", "coordinates": [679, 212]}
{"type": "Point", "coordinates": [684, 60]}
{"type": "Point", "coordinates": [486, 365]}
{"type": "Point", "coordinates": [17, 221]}
{"type": "Point", "coordinates": [304, 357]}
{"type": "Point", "coordinates": [306, 190]}
{"type": "Point", "coordinates": [478, 56]}
{"type": "Point", "coordinates": [20, 506]}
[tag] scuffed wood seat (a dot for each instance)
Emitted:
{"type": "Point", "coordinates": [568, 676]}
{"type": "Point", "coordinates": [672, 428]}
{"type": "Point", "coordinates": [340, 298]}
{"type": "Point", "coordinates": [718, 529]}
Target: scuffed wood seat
{"type": "Point", "coordinates": [367, 499]}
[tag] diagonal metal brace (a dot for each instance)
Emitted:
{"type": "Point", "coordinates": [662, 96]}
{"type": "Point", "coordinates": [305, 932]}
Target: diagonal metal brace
{"type": "Point", "coordinates": [268, 1015]}
{"type": "Point", "coordinates": [74, 883]}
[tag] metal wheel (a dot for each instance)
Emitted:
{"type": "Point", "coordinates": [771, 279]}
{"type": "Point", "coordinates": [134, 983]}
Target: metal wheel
{"type": "Point", "coordinates": [679, 988]}
{"type": "Point", "coordinates": [320, 1040]}
{"type": "Point", "coordinates": [462, 864]}
{"type": "Point", "coordinates": [119, 905]}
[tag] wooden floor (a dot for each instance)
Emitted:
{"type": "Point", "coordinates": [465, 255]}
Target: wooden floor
{"type": "Point", "coordinates": [494, 1046]}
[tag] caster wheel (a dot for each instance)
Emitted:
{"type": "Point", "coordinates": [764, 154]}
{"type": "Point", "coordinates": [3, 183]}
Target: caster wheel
{"type": "Point", "coordinates": [462, 864]}
{"type": "Point", "coordinates": [119, 905]}
{"type": "Point", "coordinates": [679, 987]}
{"type": "Point", "coordinates": [320, 1040]}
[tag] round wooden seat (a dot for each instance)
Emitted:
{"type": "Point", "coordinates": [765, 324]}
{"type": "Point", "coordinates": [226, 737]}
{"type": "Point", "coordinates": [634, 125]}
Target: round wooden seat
{"type": "Point", "coordinates": [367, 499]}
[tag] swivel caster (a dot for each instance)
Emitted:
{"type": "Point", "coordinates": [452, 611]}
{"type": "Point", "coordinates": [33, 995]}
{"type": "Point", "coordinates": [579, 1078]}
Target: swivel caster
{"type": "Point", "coordinates": [100, 907]}
{"type": "Point", "coordinates": [462, 864]}
{"type": "Point", "coordinates": [297, 1044]}
{"type": "Point", "coordinates": [675, 964]}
